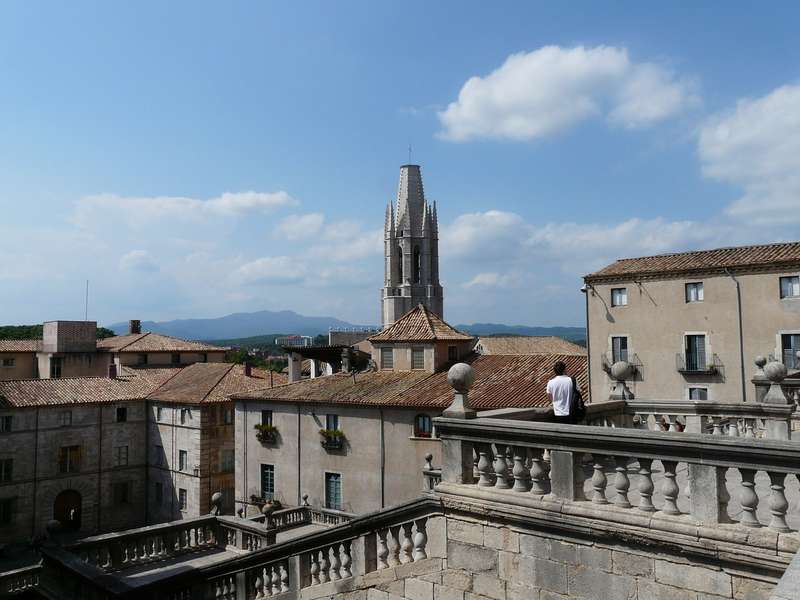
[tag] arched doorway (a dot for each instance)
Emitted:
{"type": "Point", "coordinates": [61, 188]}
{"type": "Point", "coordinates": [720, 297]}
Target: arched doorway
{"type": "Point", "coordinates": [67, 510]}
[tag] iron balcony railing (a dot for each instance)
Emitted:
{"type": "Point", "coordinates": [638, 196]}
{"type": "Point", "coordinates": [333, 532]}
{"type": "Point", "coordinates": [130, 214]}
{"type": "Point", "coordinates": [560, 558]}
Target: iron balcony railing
{"type": "Point", "coordinates": [697, 364]}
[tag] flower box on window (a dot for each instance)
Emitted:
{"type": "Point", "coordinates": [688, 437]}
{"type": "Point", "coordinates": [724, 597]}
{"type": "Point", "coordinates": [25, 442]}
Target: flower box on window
{"type": "Point", "coordinates": [332, 439]}
{"type": "Point", "coordinates": [266, 434]}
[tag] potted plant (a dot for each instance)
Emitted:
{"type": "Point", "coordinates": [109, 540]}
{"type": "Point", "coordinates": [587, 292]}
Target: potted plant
{"type": "Point", "coordinates": [266, 434]}
{"type": "Point", "coordinates": [332, 439]}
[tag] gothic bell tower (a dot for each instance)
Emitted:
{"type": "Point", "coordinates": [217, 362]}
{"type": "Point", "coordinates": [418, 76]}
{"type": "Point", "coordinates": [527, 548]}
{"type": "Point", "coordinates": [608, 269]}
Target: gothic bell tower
{"type": "Point", "coordinates": [411, 251]}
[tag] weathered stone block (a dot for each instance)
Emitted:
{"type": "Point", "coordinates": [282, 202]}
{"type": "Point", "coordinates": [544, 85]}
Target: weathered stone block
{"type": "Point", "coordinates": [476, 559]}
{"type": "Point", "coordinates": [417, 589]}
{"type": "Point", "coordinates": [444, 592]}
{"type": "Point", "coordinates": [373, 594]}
{"type": "Point", "coordinates": [489, 586]}
{"type": "Point", "coordinates": [598, 585]}
{"type": "Point", "coordinates": [420, 567]}
{"type": "Point", "coordinates": [436, 527]}
{"type": "Point", "coordinates": [534, 545]}
{"type": "Point", "coordinates": [625, 563]}
{"type": "Point", "coordinates": [548, 595]}
{"type": "Point", "coordinates": [501, 538]}
{"type": "Point", "coordinates": [700, 579]}
{"type": "Point", "coordinates": [457, 579]}
{"type": "Point", "coordinates": [594, 557]}
{"type": "Point", "coordinates": [519, 591]}
{"type": "Point", "coordinates": [462, 531]}
{"type": "Point", "coordinates": [549, 575]}
{"type": "Point", "coordinates": [751, 589]}
{"type": "Point", "coordinates": [563, 552]}
{"type": "Point", "coordinates": [516, 567]}
{"type": "Point", "coordinates": [650, 590]}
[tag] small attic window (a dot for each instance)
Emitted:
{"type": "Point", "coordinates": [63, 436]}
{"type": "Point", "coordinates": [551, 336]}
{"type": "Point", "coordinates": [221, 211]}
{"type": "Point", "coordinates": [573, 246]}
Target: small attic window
{"type": "Point", "coordinates": [387, 358]}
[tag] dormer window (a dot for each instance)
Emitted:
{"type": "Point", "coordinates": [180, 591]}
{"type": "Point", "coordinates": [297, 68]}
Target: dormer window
{"type": "Point", "coordinates": [417, 358]}
{"type": "Point", "coordinates": [387, 358]}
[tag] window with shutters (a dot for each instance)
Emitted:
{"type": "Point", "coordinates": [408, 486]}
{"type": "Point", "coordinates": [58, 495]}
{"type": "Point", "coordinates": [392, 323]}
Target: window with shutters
{"type": "Point", "coordinates": [619, 348]}
{"type": "Point", "coordinates": [423, 426]}
{"type": "Point", "coordinates": [333, 491]}
{"type": "Point", "coordinates": [417, 358]}
{"type": "Point", "coordinates": [182, 501]}
{"type": "Point", "coordinates": [619, 296]}
{"type": "Point", "coordinates": [387, 358]}
{"type": "Point", "coordinates": [69, 459]}
{"type": "Point", "coordinates": [183, 460]}
{"type": "Point", "coordinates": [698, 393]}
{"type": "Point", "coordinates": [266, 417]}
{"type": "Point", "coordinates": [120, 456]}
{"type": "Point", "coordinates": [226, 459]}
{"type": "Point", "coordinates": [790, 346]}
{"type": "Point", "coordinates": [694, 292]}
{"type": "Point", "coordinates": [696, 352]}
{"type": "Point", "coordinates": [267, 481]}
{"type": "Point", "coordinates": [6, 469]}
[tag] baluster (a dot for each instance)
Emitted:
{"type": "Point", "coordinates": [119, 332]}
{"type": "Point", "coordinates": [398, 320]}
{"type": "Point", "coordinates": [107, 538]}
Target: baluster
{"type": "Point", "coordinates": [646, 485]}
{"type": "Point", "coordinates": [323, 566]}
{"type": "Point", "coordinates": [522, 478]}
{"type": "Point", "coordinates": [673, 423]}
{"type": "Point", "coordinates": [276, 580]}
{"type": "Point", "coordinates": [284, 576]}
{"type": "Point", "coordinates": [538, 473]}
{"type": "Point", "coordinates": [621, 482]}
{"type": "Point", "coordinates": [314, 568]}
{"type": "Point", "coordinates": [749, 429]}
{"type": "Point", "coordinates": [777, 502]}
{"type": "Point", "coordinates": [733, 428]}
{"type": "Point", "coordinates": [599, 481]}
{"type": "Point", "coordinates": [383, 550]}
{"type": "Point", "coordinates": [335, 563]}
{"type": "Point", "coordinates": [407, 545]}
{"type": "Point", "coordinates": [420, 541]}
{"type": "Point", "coordinates": [665, 423]}
{"type": "Point", "coordinates": [670, 488]}
{"type": "Point", "coordinates": [748, 498]}
{"type": "Point", "coordinates": [347, 560]}
{"type": "Point", "coordinates": [259, 585]}
{"type": "Point", "coordinates": [475, 456]}
{"type": "Point", "coordinates": [500, 469]}
{"type": "Point", "coordinates": [717, 426]}
{"type": "Point", "coordinates": [394, 546]}
{"type": "Point", "coordinates": [485, 471]}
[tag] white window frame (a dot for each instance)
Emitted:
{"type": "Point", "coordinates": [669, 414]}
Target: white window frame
{"type": "Point", "coordinates": [779, 342]}
{"type": "Point", "coordinates": [709, 354]}
{"type": "Point", "coordinates": [183, 465]}
{"type": "Point", "coordinates": [611, 344]}
{"type": "Point", "coordinates": [689, 389]}
{"type": "Point", "coordinates": [625, 291]}
{"type": "Point", "coordinates": [780, 287]}
{"type": "Point", "coordinates": [699, 291]}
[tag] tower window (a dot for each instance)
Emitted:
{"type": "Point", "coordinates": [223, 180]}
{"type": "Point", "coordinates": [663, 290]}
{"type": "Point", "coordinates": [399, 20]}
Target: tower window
{"type": "Point", "coordinates": [417, 265]}
{"type": "Point", "coordinates": [400, 264]}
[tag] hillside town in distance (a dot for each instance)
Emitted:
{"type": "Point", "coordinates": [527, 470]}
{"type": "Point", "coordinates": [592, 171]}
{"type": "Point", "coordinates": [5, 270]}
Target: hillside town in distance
{"type": "Point", "coordinates": [415, 460]}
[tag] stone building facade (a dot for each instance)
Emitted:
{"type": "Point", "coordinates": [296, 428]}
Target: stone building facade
{"type": "Point", "coordinates": [692, 323]}
{"type": "Point", "coordinates": [411, 251]}
{"type": "Point", "coordinates": [384, 416]}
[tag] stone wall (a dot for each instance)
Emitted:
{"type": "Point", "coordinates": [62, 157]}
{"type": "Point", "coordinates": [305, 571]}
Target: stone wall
{"type": "Point", "coordinates": [482, 560]}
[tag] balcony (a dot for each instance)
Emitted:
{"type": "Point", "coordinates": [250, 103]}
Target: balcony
{"type": "Point", "coordinates": [693, 364]}
{"type": "Point", "coordinates": [608, 360]}
{"type": "Point", "coordinates": [332, 439]}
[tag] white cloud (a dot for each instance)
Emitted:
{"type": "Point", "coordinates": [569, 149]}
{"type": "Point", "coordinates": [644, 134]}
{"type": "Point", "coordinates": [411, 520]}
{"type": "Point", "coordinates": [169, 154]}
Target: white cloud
{"type": "Point", "coordinates": [483, 236]}
{"type": "Point", "coordinates": [140, 211]}
{"type": "Point", "coordinates": [490, 279]}
{"type": "Point", "coordinates": [298, 227]}
{"type": "Point", "coordinates": [539, 93]}
{"type": "Point", "coordinates": [757, 146]}
{"type": "Point", "coordinates": [271, 269]}
{"type": "Point", "coordinates": [138, 260]}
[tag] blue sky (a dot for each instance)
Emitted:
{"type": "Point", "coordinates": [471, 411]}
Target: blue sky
{"type": "Point", "coordinates": [192, 159]}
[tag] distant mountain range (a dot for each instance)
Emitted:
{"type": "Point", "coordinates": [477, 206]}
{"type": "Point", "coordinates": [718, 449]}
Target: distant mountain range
{"type": "Point", "coordinates": [264, 322]}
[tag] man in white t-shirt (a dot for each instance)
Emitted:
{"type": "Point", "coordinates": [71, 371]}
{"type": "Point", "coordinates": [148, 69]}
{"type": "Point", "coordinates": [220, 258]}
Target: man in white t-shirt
{"type": "Point", "coordinates": [559, 390]}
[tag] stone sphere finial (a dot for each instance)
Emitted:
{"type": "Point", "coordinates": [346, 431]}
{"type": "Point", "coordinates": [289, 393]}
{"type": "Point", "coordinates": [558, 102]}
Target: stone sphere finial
{"type": "Point", "coordinates": [52, 527]}
{"type": "Point", "coordinates": [760, 361]}
{"type": "Point", "coordinates": [461, 377]}
{"type": "Point", "coordinates": [305, 500]}
{"type": "Point", "coordinates": [775, 371]}
{"type": "Point", "coordinates": [216, 503]}
{"type": "Point", "coordinates": [621, 370]}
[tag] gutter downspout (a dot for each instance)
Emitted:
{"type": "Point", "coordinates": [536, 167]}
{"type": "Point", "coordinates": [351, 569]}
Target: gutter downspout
{"type": "Point", "coordinates": [299, 462]}
{"type": "Point", "coordinates": [35, 472]}
{"type": "Point", "coordinates": [741, 332]}
{"type": "Point", "coordinates": [383, 463]}
{"type": "Point", "coordinates": [147, 413]}
{"type": "Point", "coordinates": [586, 290]}
{"type": "Point", "coordinates": [99, 463]}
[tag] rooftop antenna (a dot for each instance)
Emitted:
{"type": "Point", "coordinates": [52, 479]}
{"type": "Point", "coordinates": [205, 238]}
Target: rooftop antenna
{"type": "Point", "coordinates": [409, 153]}
{"type": "Point", "coordinates": [86, 303]}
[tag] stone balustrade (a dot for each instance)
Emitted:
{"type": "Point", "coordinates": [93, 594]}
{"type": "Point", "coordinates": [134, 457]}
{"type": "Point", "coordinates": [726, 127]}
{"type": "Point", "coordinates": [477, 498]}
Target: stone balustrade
{"type": "Point", "coordinates": [117, 551]}
{"type": "Point", "coordinates": [512, 458]}
{"type": "Point", "coordinates": [19, 581]}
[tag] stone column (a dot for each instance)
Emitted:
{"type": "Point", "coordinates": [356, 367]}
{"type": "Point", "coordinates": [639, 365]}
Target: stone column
{"type": "Point", "coordinates": [566, 475]}
{"type": "Point", "coordinates": [457, 455]}
{"type": "Point", "coordinates": [295, 366]}
{"type": "Point", "coordinates": [709, 497]}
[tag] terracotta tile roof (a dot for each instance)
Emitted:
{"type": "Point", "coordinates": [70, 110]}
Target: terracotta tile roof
{"type": "Point", "coordinates": [212, 382]}
{"type": "Point", "coordinates": [501, 381]}
{"type": "Point", "coordinates": [420, 325]}
{"type": "Point", "coordinates": [518, 344]}
{"type": "Point", "coordinates": [153, 342]}
{"type": "Point", "coordinates": [768, 255]}
{"type": "Point", "coordinates": [82, 390]}
{"type": "Point", "coordinates": [20, 345]}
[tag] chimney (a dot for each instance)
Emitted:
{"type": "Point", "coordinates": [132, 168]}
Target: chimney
{"type": "Point", "coordinates": [248, 369]}
{"type": "Point", "coordinates": [112, 370]}
{"type": "Point", "coordinates": [134, 326]}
